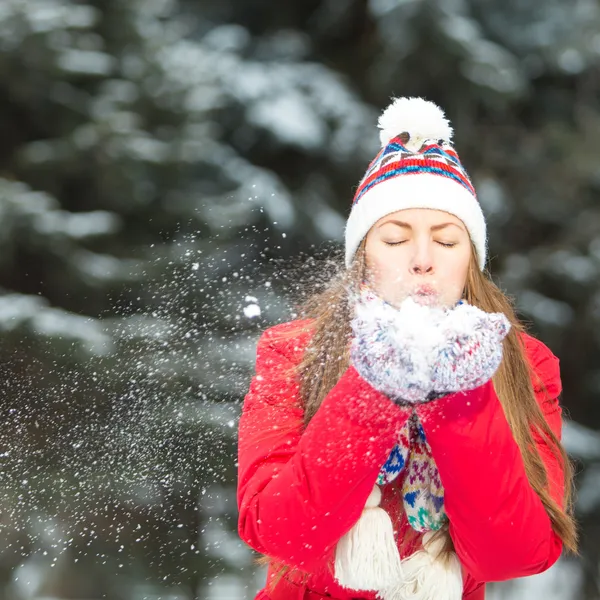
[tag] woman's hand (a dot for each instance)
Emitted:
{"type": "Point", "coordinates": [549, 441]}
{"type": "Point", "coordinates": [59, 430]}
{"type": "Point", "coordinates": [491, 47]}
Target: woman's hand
{"type": "Point", "coordinates": [393, 348]}
{"type": "Point", "coordinates": [415, 354]}
{"type": "Point", "coordinates": [472, 351]}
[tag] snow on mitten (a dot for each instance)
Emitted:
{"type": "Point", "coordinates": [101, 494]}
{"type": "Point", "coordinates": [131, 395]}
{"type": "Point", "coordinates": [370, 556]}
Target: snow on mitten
{"type": "Point", "coordinates": [392, 348]}
{"type": "Point", "coordinates": [472, 351]}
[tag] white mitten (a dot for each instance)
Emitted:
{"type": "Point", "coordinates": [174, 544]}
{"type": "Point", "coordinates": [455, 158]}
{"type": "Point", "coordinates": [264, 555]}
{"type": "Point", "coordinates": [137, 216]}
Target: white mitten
{"type": "Point", "coordinates": [472, 349]}
{"type": "Point", "coordinates": [393, 348]}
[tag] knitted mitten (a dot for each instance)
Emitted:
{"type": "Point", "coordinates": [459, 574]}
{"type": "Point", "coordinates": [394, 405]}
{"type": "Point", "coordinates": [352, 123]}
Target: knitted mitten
{"type": "Point", "coordinates": [472, 351]}
{"type": "Point", "coordinates": [392, 348]}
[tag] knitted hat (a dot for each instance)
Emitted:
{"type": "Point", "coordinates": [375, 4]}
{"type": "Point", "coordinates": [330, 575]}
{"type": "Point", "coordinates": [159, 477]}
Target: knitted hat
{"type": "Point", "coordinates": [417, 167]}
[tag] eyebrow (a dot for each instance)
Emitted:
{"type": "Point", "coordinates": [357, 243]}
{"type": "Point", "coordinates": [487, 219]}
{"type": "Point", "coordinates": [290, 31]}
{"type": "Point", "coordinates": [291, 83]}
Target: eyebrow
{"type": "Point", "coordinates": [408, 226]}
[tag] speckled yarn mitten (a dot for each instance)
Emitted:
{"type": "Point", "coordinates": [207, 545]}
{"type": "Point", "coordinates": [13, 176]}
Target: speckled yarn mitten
{"type": "Point", "coordinates": [472, 351]}
{"type": "Point", "coordinates": [392, 348]}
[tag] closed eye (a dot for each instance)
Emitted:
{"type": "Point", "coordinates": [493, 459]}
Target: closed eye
{"type": "Point", "coordinates": [446, 245]}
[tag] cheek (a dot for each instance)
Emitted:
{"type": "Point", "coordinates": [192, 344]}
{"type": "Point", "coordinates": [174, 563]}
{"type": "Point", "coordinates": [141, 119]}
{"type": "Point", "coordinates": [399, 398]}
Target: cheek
{"type": "Point", "coordinates": [385, 267]}
{"type": "Point", "coordinates": [457, 274]}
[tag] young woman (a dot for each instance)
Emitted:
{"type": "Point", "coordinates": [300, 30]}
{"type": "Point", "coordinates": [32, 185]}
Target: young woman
{"type": "Point", "coordinates": [402, 439]}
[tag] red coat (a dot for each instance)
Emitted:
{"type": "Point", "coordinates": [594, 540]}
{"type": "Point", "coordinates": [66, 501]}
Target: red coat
{"type": "Point", "coordinates": [300, 490]}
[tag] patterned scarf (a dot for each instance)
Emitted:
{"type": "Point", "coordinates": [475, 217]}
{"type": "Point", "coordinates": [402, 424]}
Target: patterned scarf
{"type": "Point", "coordinates": [422, 491]}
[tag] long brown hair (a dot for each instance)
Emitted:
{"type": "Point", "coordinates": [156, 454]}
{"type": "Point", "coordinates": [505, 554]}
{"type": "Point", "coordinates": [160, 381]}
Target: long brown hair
{"type": "Point", "coordinates": [326, 358]}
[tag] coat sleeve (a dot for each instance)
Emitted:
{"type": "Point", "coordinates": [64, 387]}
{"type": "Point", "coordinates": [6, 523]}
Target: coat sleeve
{"type": "Point", "coordinates": [498, 523]}
{"type": "Point", "coordinates": [299, 490]}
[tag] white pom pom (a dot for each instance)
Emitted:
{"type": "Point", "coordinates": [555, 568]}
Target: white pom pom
{"type": "Point", "coordinates": [421, 118]}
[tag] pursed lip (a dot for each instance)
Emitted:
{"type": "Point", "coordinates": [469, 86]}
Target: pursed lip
{"type": "Point", "coordinates": [425, 290]}
{"type": "Point", "coordinates": [425, 295]}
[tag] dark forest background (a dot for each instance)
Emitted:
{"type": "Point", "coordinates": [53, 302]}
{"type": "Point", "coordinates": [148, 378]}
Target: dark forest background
{"type": "Point", "coordinates": [170, 171]}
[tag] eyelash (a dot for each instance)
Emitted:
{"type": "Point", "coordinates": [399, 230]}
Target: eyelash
{"type": "Point", "coordinates": [450, 245]}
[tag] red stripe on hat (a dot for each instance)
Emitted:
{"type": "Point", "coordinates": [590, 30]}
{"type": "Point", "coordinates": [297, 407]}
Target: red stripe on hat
{"type": "Point", "coordinates": [410, 162]}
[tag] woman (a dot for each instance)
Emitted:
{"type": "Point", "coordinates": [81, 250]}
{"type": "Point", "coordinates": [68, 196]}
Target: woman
{"type": "Point", "coordinates": [402, 440]}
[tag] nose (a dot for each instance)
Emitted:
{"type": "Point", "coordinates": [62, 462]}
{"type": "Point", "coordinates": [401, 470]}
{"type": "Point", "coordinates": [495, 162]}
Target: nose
{"type": "Point", "coordinates": [421, 269]}
{"type": "Point", "coordinates": [422, 263]}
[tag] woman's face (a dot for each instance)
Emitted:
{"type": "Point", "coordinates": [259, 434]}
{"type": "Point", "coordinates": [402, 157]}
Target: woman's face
{"type": "Point", "coordinates": [421, 253]}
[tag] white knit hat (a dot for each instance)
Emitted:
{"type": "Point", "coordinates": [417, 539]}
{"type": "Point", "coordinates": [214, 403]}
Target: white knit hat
{"type": "Point", "coordinates": [417, 167]}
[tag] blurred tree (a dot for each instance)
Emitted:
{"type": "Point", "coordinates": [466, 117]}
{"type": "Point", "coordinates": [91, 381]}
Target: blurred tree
{"type": "Point", "coordinates": [163, 166]}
